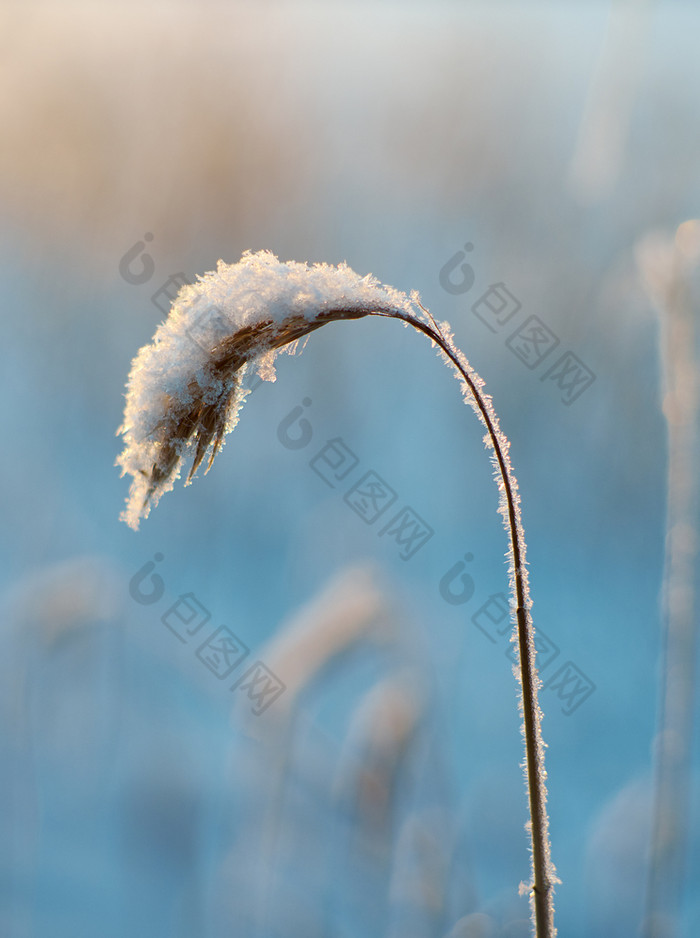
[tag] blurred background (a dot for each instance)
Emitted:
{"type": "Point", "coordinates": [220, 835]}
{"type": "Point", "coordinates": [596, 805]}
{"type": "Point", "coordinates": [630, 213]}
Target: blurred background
{"type": "Point", "coordinates": [268, 713]}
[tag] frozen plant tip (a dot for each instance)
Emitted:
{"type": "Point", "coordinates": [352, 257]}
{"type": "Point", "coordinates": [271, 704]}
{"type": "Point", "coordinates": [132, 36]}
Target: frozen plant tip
{"type": "Point", "coordinates": [186, 388]}
{"type": "Point", "coordinates": [185, 391]}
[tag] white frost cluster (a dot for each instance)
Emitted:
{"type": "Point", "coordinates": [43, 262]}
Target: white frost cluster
{"type": "Point", "coordinates": [258, 288]}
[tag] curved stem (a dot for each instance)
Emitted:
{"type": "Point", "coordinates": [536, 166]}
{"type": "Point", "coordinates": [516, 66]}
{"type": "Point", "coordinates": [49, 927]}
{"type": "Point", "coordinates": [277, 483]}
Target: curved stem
{"type": "Point", "coordinates": [542, 869]}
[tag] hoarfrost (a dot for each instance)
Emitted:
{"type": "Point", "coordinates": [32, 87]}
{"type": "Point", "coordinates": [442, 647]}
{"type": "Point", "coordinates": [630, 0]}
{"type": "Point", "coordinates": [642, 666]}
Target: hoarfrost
{"type": "Point", "coordinates": [170, 377]}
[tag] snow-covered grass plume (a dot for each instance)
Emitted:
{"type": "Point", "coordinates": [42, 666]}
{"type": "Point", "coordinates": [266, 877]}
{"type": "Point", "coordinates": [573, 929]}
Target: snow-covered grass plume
{"type": "Point", "coordinates": [185, 391]}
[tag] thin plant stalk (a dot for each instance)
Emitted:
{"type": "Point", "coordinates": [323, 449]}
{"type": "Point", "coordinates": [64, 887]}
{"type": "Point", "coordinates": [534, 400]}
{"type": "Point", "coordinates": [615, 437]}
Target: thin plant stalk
{"type": "Point", "coordinates": [542, 869]}
{"type": "Point", "coordinates": [667, 271]}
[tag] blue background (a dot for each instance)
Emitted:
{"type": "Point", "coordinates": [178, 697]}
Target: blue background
{"type": "Point", "coordinates": [387, 136]}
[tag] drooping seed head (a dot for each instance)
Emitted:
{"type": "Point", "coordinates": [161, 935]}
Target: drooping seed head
{"type": "Point", "coordinates": [186, 388]}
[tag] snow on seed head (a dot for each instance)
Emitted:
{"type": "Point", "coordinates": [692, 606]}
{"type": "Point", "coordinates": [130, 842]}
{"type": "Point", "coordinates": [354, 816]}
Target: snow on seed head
{"type": "Point", "coordinates": [186, 388]}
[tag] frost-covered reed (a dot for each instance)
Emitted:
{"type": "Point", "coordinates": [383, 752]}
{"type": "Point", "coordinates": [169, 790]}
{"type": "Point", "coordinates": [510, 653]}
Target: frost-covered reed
{"type": "Point", "coordinates": [185, 391]}
{"type": "Point", "coordinates": [667, 266]}
{"type": "Point", "coordinates": [186, 388]}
